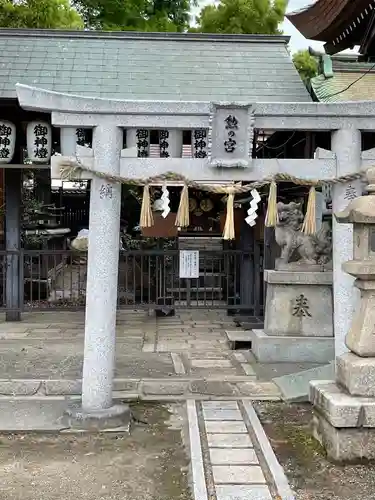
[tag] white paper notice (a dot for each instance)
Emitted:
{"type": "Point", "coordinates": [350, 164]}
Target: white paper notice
{"type": "Point", "coordinates": [189, 263]}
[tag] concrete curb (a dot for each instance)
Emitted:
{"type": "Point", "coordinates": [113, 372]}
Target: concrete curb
{"type": "Point", "coordinates": [277, 472]}
{"type": "Point", "coordinates": [176, 388]}
{"type": "Point", "coordinates": [199, 480]}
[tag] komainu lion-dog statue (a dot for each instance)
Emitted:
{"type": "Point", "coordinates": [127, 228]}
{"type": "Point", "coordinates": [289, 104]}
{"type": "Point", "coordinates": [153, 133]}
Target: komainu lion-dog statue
{"type": "Point", "coordinates": [297, 247]}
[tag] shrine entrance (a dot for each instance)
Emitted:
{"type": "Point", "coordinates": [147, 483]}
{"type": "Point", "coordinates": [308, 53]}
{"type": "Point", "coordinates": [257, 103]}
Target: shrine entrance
{"type": "Point", "coordinates": [239, 172]}
{"type": "Point", "coordinates": [193, 277]}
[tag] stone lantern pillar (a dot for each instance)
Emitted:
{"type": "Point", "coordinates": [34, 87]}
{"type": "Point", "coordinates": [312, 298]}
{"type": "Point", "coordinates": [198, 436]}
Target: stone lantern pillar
{"type": "Point", "coordinates": [344, 420]}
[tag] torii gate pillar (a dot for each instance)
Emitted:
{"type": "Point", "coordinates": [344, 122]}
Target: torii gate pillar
{"type": "Point", "coordinates": [97, 409]}
{"type": "Point", "coordinates": [101, 290]}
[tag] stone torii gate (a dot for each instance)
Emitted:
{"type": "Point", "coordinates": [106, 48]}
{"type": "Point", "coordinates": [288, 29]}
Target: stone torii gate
{"type": "Point", "coordinates": [108, 118]}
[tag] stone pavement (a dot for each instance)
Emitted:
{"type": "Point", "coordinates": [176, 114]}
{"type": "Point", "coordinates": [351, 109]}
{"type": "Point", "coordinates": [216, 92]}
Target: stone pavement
{"type": "Point", "coordinates": [179, 357]}
{"type": "Point", "coordinates": [231, 456]}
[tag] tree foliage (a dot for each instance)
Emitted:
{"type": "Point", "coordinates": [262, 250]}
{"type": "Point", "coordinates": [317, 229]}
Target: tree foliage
{"type": "Point", "coordinates": [39, 14]}
{"type": "Point", "coordinates": [242, 16]}
{"type": "Point", "coordinates": [307, 65]}
{"type": "Point", "coordinates": [137, 15]}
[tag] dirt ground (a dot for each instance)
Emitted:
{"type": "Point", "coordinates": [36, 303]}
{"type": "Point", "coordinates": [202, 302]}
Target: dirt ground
{"type": "Point", "coordinates": [148, 464]}
{"type": "Point", "coordinates": [311, 475]}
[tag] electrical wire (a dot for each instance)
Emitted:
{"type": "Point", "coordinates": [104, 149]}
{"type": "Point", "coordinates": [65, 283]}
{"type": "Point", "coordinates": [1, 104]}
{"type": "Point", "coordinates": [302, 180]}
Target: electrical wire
{"type": "Point", "coordinates": [351, 84]}
{"type": "Point", "coordinates": [281, 145]}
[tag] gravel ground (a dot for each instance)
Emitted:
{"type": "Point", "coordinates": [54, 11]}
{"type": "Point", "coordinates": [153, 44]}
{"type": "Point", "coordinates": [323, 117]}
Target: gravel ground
{"type": "Point", "coordinates": [311, 475]}
{"type": "Point", "coordinates": [148, 464]}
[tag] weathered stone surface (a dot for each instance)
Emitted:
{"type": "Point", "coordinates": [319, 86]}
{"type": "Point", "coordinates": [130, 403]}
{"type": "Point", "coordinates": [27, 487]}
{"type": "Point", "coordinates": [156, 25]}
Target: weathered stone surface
{"type": "Point", "coordinates": [276, 349]}
{"type": "Point", "coordinates": [19, 387]}
{"type": "Point", "coordinates": [285, 315]}
{"type": "Point", "coordinates": [211, 363]}
{"type": "Point", "coordinates": [238, 335]}
{"type": "Point", "coordinates": [40, 415]}
{"type": "Point", "coordinates": [341, 409]}
{"type": "Point", "coordinates": [295, 387]}
{"type": "Point", "coordinates": [117, 416]}
{"type": "Point", "coordinates": [220, 405]}
{"type": "Point", "coordinates": [258, 388]}
{"type": "Point", "coordinates": [125, 385]}
{"type": "Point", "coordinates": [221, 414]}
{"type": "Point", "coordinates": [225, 427]}
{"type": "Point", "coordinates": [238, 474]}
{"type": "Point", "coordinates": [234, 456]}
{"type": "Point", "coordinates": [248, 369]}
{"type": "Point", "coordinates": [63, 387]}
{"type": "Point", "coordinates": [297, 278]}
{"type": "Point", "coordinates": [356, 374]}
{"type": "Point", "coordinates": [164, 388]}
{"type": "Point", "coordinates": [212, 388]}
{"type": "Point", "coordinates": [344, 444]}
{"type": "Point", "coordinates": [240, 357]}
{"type": "Point", "coordinates": [229, 440]}
{"type": "Point", "coordinates": [240, 492]}
{"type": "Point", "coordinates": [361, 336]}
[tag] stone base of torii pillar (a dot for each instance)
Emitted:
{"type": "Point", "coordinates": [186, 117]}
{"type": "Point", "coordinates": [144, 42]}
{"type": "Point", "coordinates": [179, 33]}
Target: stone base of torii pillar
{"type": "Point", "coordinates": [344, 420]}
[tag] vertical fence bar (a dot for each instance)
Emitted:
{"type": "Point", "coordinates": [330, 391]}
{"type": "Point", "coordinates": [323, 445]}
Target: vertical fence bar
{"type": "Point", "coordinates": [257, 280]}
{"type": "Point", "coordinates": [22, 280]}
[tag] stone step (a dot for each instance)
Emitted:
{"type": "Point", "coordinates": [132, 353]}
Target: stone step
{"type": "Point", "coordinates": [279, 349]}
{"type": "Point", "coordinates": [238, 338]}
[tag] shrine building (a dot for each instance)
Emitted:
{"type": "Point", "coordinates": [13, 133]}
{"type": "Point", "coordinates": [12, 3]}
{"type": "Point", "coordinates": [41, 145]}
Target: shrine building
{"type": "Point", "coordinates": [184, 143]}
{"type": "Point", "coordinates": [157, 67]}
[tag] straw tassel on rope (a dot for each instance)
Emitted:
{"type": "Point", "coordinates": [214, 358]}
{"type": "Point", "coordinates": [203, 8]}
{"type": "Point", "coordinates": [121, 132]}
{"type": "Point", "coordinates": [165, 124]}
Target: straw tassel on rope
{"type": "Point", "coordinates": [309, 224]}
{"type": "Point", "coordinates": [183, 219]}
{"type": "Point", "coordinates": [147, 219]}
{"type": "Point", "coordinates": [229, 233]}
{"type": "Point", "coordinates": [272, 215]}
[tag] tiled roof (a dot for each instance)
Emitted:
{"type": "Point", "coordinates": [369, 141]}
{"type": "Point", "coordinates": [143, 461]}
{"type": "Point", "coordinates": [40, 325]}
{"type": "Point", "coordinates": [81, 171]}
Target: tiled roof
{"type": "Point", "coordinates": [351, 81]}
{"type": "Point", "coordinates": [150, 66]}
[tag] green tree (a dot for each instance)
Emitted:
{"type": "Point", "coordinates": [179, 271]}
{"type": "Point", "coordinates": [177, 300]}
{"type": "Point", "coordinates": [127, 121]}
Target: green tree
{"type": "Point", "coordinates": [140, 15]}
{"type": "Point", "coordinates": [242, 16]}
{"type": "Point", "coordinates": [307, 65]}
{"type": "Point", "coordinates": [39, 14]}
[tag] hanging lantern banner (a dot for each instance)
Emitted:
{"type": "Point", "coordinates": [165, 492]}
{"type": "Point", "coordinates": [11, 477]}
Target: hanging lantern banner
{"type": "Point", "coordinates": [7, 141]}
{"type": "Point", "coordinates": [39, 142]}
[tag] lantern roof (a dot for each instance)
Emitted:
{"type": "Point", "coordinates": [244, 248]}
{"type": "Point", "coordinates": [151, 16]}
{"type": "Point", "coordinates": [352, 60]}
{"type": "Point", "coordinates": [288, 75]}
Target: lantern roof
{"type": "Point", "coordinates": [151, 66]}
{"type": "Point", "coordinates": [341, 24]}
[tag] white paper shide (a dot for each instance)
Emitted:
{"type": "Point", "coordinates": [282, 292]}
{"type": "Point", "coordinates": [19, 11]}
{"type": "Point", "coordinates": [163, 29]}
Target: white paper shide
{"type": "Point", "coordinates": [252, 212]}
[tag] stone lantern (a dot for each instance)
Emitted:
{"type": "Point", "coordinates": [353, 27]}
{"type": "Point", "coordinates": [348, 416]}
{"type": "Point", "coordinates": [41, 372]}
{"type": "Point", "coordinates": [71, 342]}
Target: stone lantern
{"type": "Point", "coordinates": [345, 409]}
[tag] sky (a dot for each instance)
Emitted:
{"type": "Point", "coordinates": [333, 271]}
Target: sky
{"type": "Point", "coordinates": [297, 41]}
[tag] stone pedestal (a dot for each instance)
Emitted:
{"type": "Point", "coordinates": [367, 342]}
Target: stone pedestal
{"type": "Point", "coordinates": [298, 319]}
{"type": "Point", "coordinates": [117, 417]}
{"type": "Point", "coordinates": [344, 420]}
{"type": "Point", "coordinates": [343, 424]}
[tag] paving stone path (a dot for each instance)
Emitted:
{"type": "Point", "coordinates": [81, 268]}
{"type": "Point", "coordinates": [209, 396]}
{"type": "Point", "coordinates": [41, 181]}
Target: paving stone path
{"type": "Point", "coordinates": [231, 456]}
{"type": "Point", "coordinates": [180, 357]}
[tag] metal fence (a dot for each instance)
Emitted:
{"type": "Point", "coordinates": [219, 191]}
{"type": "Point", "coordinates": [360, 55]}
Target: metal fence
{"type": "Point", "coordinates": [146, 279]}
